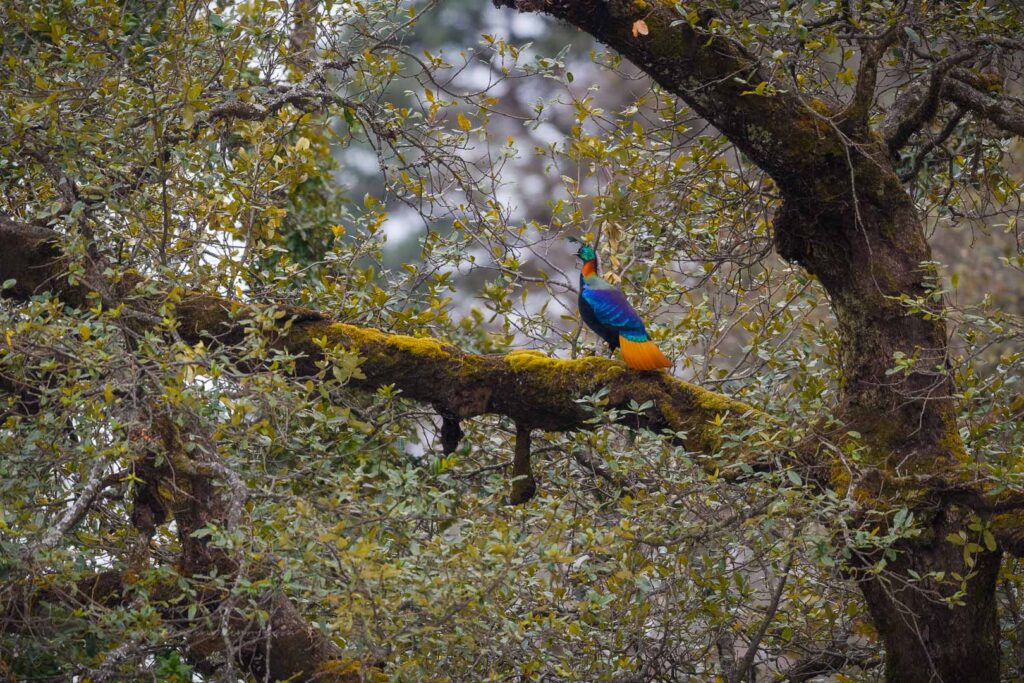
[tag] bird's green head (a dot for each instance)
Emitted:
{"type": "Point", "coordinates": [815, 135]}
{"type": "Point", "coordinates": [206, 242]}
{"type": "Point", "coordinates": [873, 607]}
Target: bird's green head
{"type": "Point", "coordinates": [585, 252]}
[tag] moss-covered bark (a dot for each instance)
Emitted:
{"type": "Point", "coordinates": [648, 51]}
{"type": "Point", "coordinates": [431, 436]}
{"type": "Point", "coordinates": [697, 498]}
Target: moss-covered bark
{"type": "Point", "coordinates": [531, 388]}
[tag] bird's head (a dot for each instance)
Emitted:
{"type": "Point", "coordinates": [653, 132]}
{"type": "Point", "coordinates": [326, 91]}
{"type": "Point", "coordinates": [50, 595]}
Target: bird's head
{"type": "Point", "coordinates": [585, 251]}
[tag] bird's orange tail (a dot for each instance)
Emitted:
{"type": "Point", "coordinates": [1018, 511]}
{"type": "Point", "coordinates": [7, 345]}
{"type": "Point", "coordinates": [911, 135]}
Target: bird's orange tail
{"type": "Point", "coordinates": [643, 355]}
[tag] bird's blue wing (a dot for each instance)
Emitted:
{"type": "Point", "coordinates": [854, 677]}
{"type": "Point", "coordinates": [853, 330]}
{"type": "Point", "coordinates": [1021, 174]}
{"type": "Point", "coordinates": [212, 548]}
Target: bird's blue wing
{"type": "Point", "coordinates": [613, 311]}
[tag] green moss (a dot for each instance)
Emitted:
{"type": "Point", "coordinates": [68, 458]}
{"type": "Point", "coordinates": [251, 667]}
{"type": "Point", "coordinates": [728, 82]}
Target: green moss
{"type": "Point", "coordinates": [418, 346]}
{"type": "Point", "coordinates": [953, 446]}
{"type": "Point", "coordinates": [591, 370]}
{"type": "Point", "coordinates": [363, 337]}
{"type": "Point", "coordinates": [819, 105]}
{"type": "Point", "coordinates": [525, 360]}
{"type": "Point", "coordinates": [343, 671]}
{"type": "Point", "coordinates": [528, 352]}
{"type": "Point", "coordinates": [839, 477]}
{"type": "Point", "coordinates": [709, 400]}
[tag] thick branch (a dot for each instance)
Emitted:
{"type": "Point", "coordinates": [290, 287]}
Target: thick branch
{"type": "Point", "coordinates": [1006, 115]}
{"type": "Point", "coordinates": [299, 652]}
{"type": "Point", "coordinates": [527, 386]}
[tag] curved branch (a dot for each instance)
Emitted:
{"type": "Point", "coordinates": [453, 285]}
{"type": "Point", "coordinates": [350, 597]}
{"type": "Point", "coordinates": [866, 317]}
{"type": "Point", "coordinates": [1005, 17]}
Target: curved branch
{"type": "Point", "coordinates": [921, 155]}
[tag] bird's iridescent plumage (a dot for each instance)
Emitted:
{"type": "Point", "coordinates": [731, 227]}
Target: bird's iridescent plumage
{"type": "Point", "coordinates": [606, 311]}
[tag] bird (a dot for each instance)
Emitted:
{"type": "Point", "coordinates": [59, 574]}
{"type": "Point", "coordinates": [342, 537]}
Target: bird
{"type": "Point", "coordinates": [605, 310]}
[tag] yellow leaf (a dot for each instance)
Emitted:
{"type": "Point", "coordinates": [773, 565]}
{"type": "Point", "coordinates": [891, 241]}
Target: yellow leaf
{"type": "Point", "coordinates": [84, 332]}
{"type": "Point", "coordinates": [302, 144]}
{"type": "Point", "coordinates": [639, 28]}
{"type": "Point", "coordinates": [108, 392]}
{"type": "Point", "coordinates": [464, 123]}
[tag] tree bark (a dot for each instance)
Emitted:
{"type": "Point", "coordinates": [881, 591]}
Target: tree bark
{"type": "Point", "coordinates": [867, 254]}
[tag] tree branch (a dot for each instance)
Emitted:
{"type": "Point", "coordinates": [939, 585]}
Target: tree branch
{"type": "Point", "coordinates": [825, 662]}
{"type": "Point", "coordinates": [773, 607]}
{"type": "Point", "coordinates": [1003, 113]}
{"type": "Point", "coordinates": [920, 103]}
{"type": "Point", "coordinates": [299, 652]}
{"type": "Point", "coordinates": [921, 155]}
{"type": "Point", "coordinates": [523, 484]}
{"type": "Point", "coordinates": [529, 387]}
{"type": "Point", "coordinates": [872, 49]}
{"type": "Point", "coordinates": [95, 482]}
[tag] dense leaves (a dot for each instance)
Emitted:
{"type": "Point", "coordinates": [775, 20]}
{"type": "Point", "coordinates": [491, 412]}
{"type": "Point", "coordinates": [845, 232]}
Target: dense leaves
{"type": "Point", "coordinates": [416, 168]}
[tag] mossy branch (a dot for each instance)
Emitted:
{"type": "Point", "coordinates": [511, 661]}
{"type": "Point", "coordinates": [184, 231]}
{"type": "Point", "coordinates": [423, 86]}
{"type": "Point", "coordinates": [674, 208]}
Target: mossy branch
{"type": "Point", "coordinates": [529, 387]}
{"type": "Point", "coordinates": [533, 389]}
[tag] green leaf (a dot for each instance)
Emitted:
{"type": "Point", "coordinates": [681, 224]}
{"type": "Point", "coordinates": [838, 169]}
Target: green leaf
{"type": "Point", "coordinates": [216, 22]}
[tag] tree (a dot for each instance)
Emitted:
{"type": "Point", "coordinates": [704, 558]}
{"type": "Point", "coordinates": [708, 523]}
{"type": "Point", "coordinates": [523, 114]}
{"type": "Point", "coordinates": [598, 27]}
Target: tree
{"type": "Point", "coordinates": [218, 458]}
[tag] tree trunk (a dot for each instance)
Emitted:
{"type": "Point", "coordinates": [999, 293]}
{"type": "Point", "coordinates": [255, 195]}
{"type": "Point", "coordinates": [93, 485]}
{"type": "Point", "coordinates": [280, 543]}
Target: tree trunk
{"type": "Point", "coordinates": [925, 639]}
{"type": "Point", "coordinates": [863, 239]}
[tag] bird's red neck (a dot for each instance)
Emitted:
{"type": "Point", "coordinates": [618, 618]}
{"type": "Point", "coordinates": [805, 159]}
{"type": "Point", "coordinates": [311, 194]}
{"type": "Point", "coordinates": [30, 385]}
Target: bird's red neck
{"type": "Point", "coordinates": [589, 268]}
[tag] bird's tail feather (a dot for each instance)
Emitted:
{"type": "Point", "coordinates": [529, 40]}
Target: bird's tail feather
{"type": "Point", "coordinates": [643, 355]}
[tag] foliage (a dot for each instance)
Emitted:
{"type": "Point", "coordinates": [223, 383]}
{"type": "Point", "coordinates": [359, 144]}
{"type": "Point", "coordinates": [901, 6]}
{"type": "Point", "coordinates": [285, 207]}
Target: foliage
{"type": "Point", "coordinates": [182, 147]}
